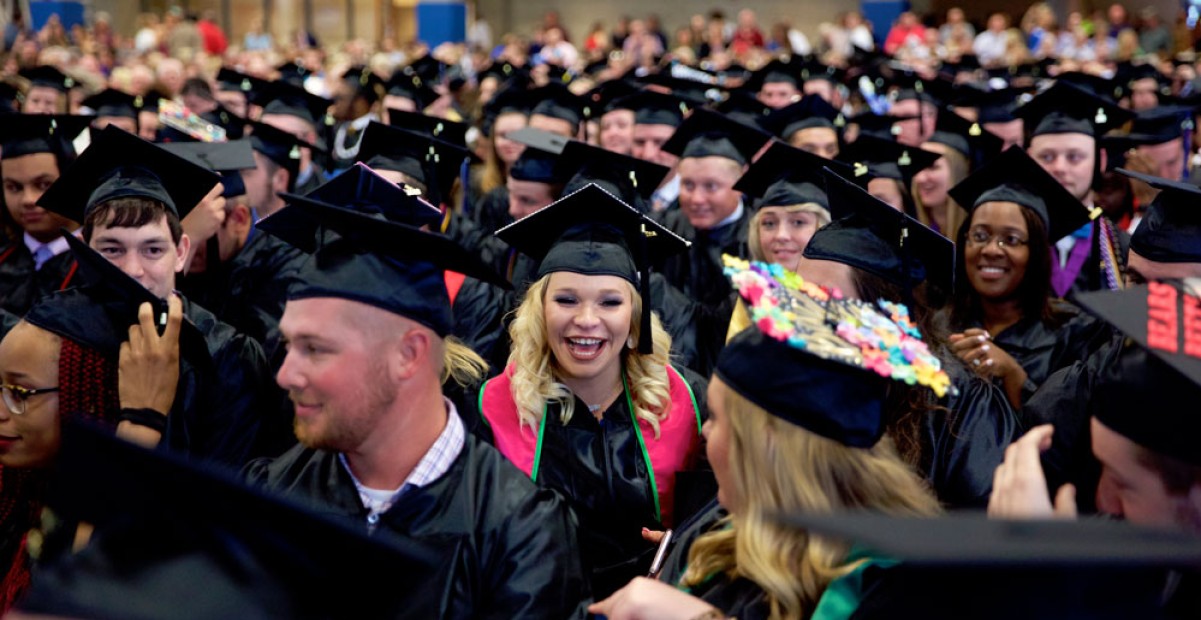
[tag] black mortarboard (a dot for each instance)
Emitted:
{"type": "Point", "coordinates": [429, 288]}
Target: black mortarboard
{"type": "Point", "coordinates": [555, 101]}
{"type": "Point", "coordinates": [969, 566]}
{"type": "Point", "coordinates": [1065, 108]}
{"type": "Point", "coordinates": [278, 145]}
{"type": "Point", "coordinates": [993, 106]}
{"type": "Point", "coordinates": [975, 142]}
{"type": "Point", "coordinates": [630, 179]}
{"type": "Point", "coordinates": [231, 80]}
{"type": "Point", "coordinates": [510, 99]}
{"type": "Point", "coordinates": [809, 112]}
{"type": "Point", "coordinates": [744, 107]}
{"type": "Point", "coordinates": [710, 134]}
{"type": "Point", "coordinates": [49, 77]}
{"type": "Point", "coordinates": [890, 159]}
{"type": "Point", "coordinates": [592, 232]}
{"type": "Point", "coordinates": [1095, 85]}
{"type": "Point", "coordinates": [785, 175]}
{"type": "Point", "coordinates": [282, 97]}
{"type": "Point", "coordinates": [1160, 124]}
{"type": "Point", "coordinates": [428, 68]}
{"type": "Point", "coordinates": [432, 126]}
{"type": "Point", "coordinates": [221, 548]}
{"type": "Point", "coordinates": [26, 134]}
{"type": "Point", "coordinates": [293, 72]}
{"type": "Point", "coordinates": [817, 71]}
{"type": "Point", "coordinates": [880, 125]}
{"type": "Point", "coordinates": [148, 102]}
{"type": "Point", "coordinates": [428, 161]}
{"type": "Point", "coordinates": [506, 72]}
{"type": "Point", "coordinates": [867, 233]}
{"type": "Point", "coordinates": [776, 71]}
{"type": "Point", "coordinates": [112, 102]}
{"type": "Point", "coordinates": [910, 85]}
{"type": "Point", "coordinates": [225, 158]}
{"type": "Point", "coordinates": [119, 164]}
{"type": "Point", "coordinates": [558, 74]}
{"type": "Point", "coordinates": [1133, 73]}
{"type": "Point", "coordinates": [99, 313]}
{"type": "Point", "coordinates": [1170, 231]}
{"type": "Point", "coordinates": [1013, 176]}
{"type": "Point", "coordinates": [1144, 393]}
{"type": "Point", "coordinates": [394, 267]}
{"type": "Point", "coordinates": [965, 62]}
{"type": "Point", "coordinates": [364, 82]}
{"type": "Point", "coordinates": [654, 108]}
{"type": "Point", "coordinates": [599, 100]}
{"type": "Point", "coordinates": [411, 86]}
{"type": "Point", "coordinates": [361, 189]}
{"type": "Point", "coordinates": [697, 93]}
{"type": "Point", "coordinates": [540, 139]}
{"type": "Point", "coordinates": [538, 166]}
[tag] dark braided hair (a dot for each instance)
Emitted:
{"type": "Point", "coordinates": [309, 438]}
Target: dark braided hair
{"type": "Point", "coordinates": [87, 384]}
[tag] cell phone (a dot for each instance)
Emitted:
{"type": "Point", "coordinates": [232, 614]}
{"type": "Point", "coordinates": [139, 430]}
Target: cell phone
{"type": "Point", "coordinates": [660, 555]}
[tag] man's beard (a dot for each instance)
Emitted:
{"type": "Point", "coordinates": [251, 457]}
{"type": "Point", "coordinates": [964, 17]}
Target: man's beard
{"type": "Point", "coordinates": [348, 428]}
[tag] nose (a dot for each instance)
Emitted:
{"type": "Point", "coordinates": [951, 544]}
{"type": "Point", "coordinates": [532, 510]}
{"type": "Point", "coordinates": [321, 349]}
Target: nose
{"type": "Point", "coordinates": [29, 198]}
{"type": "Point", "coordinates": [586, 317]}
{"type": "Point", "coordinates": [287, 377]}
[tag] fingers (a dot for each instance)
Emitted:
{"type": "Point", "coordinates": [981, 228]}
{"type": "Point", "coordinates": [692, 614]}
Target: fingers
{"type": "Point", "coordinates": [1065, 501]}
{"type": "Point", "coordinates": [174, 318]}
{"type": "Point", "coordinates": [652, 536]}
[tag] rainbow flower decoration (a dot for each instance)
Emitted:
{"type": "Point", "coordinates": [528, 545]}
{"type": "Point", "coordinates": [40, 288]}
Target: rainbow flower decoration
{"type": "Point", "coordinates": [879, 336]}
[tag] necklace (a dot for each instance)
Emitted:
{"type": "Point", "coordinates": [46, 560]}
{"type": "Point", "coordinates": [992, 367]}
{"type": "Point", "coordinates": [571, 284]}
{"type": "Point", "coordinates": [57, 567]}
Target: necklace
{"type": "Point", "coordinates": [597, 407]}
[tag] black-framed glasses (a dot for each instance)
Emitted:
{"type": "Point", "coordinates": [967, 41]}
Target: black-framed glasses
{"type": "Point", "coordinates": [15, 396]}
{"type": "Point", "coordinates": [982, 238]}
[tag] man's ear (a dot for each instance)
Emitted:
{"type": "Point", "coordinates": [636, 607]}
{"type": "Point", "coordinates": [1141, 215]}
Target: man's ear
{"type": "Point", "coordinates": [1103, 160]}
{"type": "Point", "coordinates": [279, 180]}
{"type": "Point", "coordinates": [182, 252]}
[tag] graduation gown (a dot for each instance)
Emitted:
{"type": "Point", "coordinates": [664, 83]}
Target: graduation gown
{"type": "Point", "coordinates": [21, 286]}
{"type": "Point", "coordinates": [511, 545]}
{"type": "Point", "coordinates": [1091, 275]}
{"type": "Point", "coordinates": [601, 467]}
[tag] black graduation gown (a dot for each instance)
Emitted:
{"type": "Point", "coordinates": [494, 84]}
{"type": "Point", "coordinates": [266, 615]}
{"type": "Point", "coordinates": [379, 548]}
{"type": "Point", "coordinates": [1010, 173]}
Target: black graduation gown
{"type": "Point", "coordinates": [317, 177]}
{"type": "Point", "coordinates": [600, 469]}
{"type": "Point", "coordinates": [683, 536]}
{"type": "Point", "coordinates": [21, 286]}
{"type": "Point", "coordinates": [514, 549]}
{"type": "Point", "coordinates": [1091, 276]}
{"type": "Point", "coordinates": [218, 408]}
{"type": "Point", "coordinates": [478, 311]}
{"type": "Point", "coordinates": [492, 211]}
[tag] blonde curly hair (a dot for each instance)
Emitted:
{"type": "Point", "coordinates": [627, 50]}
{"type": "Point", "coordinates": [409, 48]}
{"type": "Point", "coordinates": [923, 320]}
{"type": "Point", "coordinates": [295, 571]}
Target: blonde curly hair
{"type": "Point", "coordinates": [534, 369]}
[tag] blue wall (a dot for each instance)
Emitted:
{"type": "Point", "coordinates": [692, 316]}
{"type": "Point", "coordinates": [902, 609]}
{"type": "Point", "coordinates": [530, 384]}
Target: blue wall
{"type": "Point", "coordinates": [439, 22]}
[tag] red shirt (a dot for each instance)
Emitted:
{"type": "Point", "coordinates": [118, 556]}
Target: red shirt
{"type": "Point", "coordinates": [214, 40]}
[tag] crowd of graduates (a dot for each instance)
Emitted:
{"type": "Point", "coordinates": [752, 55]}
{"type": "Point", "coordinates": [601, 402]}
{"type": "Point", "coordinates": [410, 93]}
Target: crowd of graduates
{"type": "Point", "coordinates": [753, 329]}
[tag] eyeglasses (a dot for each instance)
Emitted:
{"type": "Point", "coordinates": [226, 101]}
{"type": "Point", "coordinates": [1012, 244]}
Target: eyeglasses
{"type": "Point", "coordinates": [981, 238]}
{"type": "Point", "coordinates": [15, 396]}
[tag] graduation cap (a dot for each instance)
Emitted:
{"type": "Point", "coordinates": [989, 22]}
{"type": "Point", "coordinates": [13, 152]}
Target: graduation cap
{"type": "Point", "coordinates": [231, 80]}
{"type": "Point", "coordinates": [1014, 177]}
{"type": "Point", "coordinates": [965, 62]}
{"type": "Point", "coordinates": [364, 82]}
{"type": "Point", "coordinates": [395, 267]}
{"type": "Point", "coordinates": [540, 139]}
{"type": "Point", "coordinates": [506, 73]}
{"type": "Point", "coordinates": [288, 99]}
{"type": "Point", "coordinates": [993, 106]}
{"type": "Point", "coordinates": [1142, 394]}
{"type": "Point", "coordinates": [1160, 124]}
{"type": "Point", "coordinates": [1170, 231]}
{"type": "Point", "coordinates": [867, 233]}
{"type": "Point", "coordinates": [26, 134]}
{"type": "Point", "coordinates": [630, 179]}
{"type": "Point", "coordinates": [1146, 71]}
{"type": "Point", "coordinates": [411, 86]}
{"type": "Point", "coordinates": [427, 160]}
{"type": "Point", "coordinates": [969, 566]}
{"type": "Point", "coordinates": [710, 134]}
{"type": "Point", "coordinates": [599, 100]}
{"type": "Point", "coordinates": [880, 125]}
{"type": "Point", "coordinates": [555, 101]}
{"type": "Point", "coordinates": [887, 158]}
{"type": "Point", "coordinates": [113, 103]}
{"type": "Point", "coordinates": [654, 108]}
{"type": "Point", "coordinates": [592, 232]}
{"type": "Point", "coordinates": [49, 77]}
{"type": "Point", "coordinates": [293, 72]}
{"type": "Point", "coordinates": [511, 99]}
{"type": "Point", "coordinates": [221, 548]}
{"type": "Point", "coordinates": [911, 86]}
{"type": "Point", "coordinates": [785, 175]}
{"type": "Point", "coordinates": [226, 158]}
{"type": "Point", "coordinates": [809, 112]}
{"type": "Point", "coordinates": [538, 166]}
{"type": "Point", "coordinates": [119, 164]}
{"type": "Point", "coordinates": [362, 189]}
{"type": "Point", "coordinates": [975, 142]}
{"type": "Point", "coordinates": [697, 93]}
{"type": "Point", "coordinates": [432, 126]}
{"type": "Point", "coordinates": [1065, 108]}
{"type": "Point", "coordinates": [428, 68]}
{"type": "Point", "coordinates": [795, 363]}
{"type": "Point", "coordinates": [99, 313]}
{"type": "Point", "coordinates": [775, 72]}
{"type": "Point", "coordinates": [811, 70]}
{"type": "Point", "coordinates": [1095, 85]}
{"type": "Point", "coordinates": [278, 145]}
{"type": "Point", "coordinates": [744, 107]}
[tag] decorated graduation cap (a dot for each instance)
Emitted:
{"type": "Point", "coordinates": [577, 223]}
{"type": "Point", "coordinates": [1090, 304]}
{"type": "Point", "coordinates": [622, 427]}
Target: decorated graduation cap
{"type": "Point", "coordinates": [785, 175]}
{"type": "Point", "coordinates": [710, 134]}
{"type": "Point", "coordinates": [364, 82]}
{"type": "Point", "coordinates": [411, 86]}
{"type": "Point", "coordinates": [868, 234]}
{"type": "Point", "coordinates": [392, 266]}
{"type": "Point", "coordinates": [225, 548]}
{"type": "Point", "coordinates": [592, 232]}
{"type": "Point", "coordinates": [118, 165]}
{"type": "Point", "coordinates": [231, 80]}
{"type": "Point", "coordinates": [1170, 231]}
{"type": "Point", "coordinates": [48, 76]}
{"type": "Point", "coordinates": [432, 126]}
{"type": "Point", "coordinates": [26, 134]}
{"type": "Point", "coordinates": [1014, 177]}
{"type": "Point", "coordinates": [630, 179]}
{"type": "Point", "coordinates": [281, 97]}
{"type": "Point", "coordinates": [113, 103]}
{"type": "Point", "coordinates": [99, 313]}
{"type": "Point", "coordinates": [969, 566]}
{"type": "Point", "coordinates": [1143, 393]}
{"type": "Point", "coordinates": [812, 111]}
{"type": "Point", "coordinates": [1066, 108]}
{"type": "Point", "coordinates": [654, 108]}
{"type": "Point", "coordinates": [888, 159]}
{"type": "Point", "coordinates": [820, 361]}
{"type": "Point", "coordinates": [429, 161]}
{"type": "Point", "coordinates": [225, 158]}
{"type": "Point", "coordinates": [555, 101]}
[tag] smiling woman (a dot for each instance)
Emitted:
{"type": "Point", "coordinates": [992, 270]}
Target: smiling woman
{"type": "Point", "coordinates": [588, 404]}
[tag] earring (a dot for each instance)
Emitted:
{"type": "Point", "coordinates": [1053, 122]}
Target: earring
{"type": "Point", "coordinates": [630, 344]}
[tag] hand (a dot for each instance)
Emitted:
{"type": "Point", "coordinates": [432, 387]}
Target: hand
{"type": "Point", "coordinates": [977, 350]}
{"type": "Point", "coordinates": [206, 219]}
{"type": "Point", "coordinates": [652, 536]}
{"type": "Point", "coordinates": [148, 367]}
{"type": "Point", "coordinates": [645, 599]}
{"type": "Point", "coordinates": [1019, 488]}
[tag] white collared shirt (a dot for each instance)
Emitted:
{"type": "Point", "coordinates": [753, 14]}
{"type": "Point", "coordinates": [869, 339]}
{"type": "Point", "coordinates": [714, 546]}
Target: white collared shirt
{"type": "Point", "coordinates": [56, 247]}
